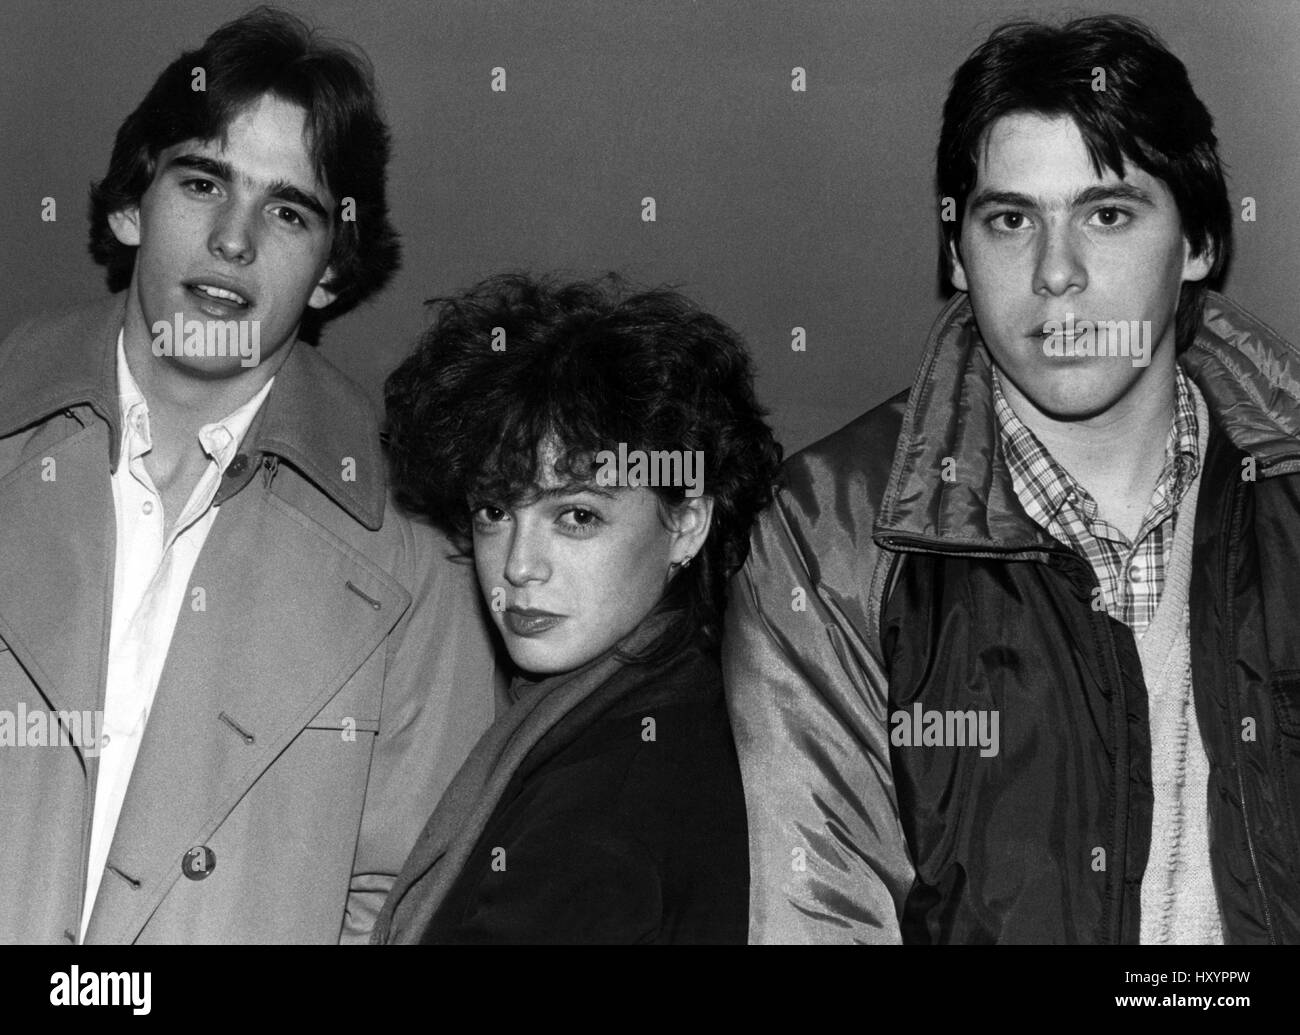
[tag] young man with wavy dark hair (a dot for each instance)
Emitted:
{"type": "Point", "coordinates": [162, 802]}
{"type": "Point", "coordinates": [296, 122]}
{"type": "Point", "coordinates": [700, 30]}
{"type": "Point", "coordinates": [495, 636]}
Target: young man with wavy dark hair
{"type": "Point", "coordinates": [198, 548]}
{"type": "Point", "coordinates": [1042, 686]}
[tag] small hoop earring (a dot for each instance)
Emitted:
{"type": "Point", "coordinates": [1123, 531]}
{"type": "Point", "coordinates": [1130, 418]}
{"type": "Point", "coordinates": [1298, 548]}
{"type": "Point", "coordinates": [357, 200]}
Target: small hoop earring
{"type": "Point", "coordinates": [686, 563]}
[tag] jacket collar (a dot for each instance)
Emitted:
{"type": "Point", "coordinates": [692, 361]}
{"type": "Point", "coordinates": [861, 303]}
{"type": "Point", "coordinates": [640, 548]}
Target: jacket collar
{"type": "Point", "coordinates": [315, 419]}
{"type": "Point", "coordinates": [56, 364]}
{"type": "Point", "coordinates": [1248, 375]}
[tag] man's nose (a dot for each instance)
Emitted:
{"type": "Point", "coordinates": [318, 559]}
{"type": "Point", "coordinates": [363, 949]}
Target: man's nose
{"type": "Point", "coordinates": [1059, 266]}
{"type": "Point", "coordinates": [232, 236]}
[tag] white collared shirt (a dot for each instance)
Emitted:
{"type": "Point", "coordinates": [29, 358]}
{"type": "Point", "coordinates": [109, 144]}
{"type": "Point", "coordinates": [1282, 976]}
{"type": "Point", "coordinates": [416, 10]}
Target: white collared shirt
{"type": "Point", "coordinates": [150, 578]}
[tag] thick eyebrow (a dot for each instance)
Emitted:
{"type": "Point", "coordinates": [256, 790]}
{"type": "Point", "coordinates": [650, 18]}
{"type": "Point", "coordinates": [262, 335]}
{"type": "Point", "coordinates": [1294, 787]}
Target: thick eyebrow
{"type": "Point", "coordinates": [281, 190]}
{"type": "Point", "coordinates": [214, 167]}
{"type": "Point", "coordinates": [1087, 196]}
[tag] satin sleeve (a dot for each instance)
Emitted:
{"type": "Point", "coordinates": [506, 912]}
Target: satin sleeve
{"type": "Point", "coordinates": [808, 697]}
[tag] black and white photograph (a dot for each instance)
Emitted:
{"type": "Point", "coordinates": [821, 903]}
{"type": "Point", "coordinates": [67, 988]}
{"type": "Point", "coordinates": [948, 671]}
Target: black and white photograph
{"type": "Point", "coordinates": [556, 474]}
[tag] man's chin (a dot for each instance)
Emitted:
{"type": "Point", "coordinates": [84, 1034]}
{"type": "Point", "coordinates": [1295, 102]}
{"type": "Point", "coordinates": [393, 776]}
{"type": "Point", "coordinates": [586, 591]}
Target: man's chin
{"type": "Point", "coordinates": [210, 368]}
{"type": "Point", "coordinates": [1075, 403]}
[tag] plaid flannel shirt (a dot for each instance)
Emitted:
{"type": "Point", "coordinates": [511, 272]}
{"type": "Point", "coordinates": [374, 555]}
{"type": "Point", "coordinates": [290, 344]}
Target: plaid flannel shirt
{"type": "Point", "coordinates": [1131, 574]}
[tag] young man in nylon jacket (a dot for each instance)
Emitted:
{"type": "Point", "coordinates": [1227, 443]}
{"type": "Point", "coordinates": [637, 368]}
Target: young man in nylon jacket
{"type": "Point", "coordinates": [1015, 656]}
{"type": "Point", "coordinates": [241, 677]}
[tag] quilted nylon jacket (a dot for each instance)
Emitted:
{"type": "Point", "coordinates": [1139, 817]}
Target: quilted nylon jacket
{"type": "Point", "coordinates": [874, 584]}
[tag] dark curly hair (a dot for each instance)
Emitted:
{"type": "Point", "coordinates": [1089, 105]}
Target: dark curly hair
{"type": "Point", "coordinates": [586, 365]}
{"type": "Point", "coordinates": [265, 52]}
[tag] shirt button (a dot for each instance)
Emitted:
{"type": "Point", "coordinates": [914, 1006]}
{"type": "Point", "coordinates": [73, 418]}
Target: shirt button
{"type": "Point", "coordinates": [238, 465]}
{"type": "Point", "coordinates": [103, 741]}
{"type": "Point", "coordinates": [147, 506]}
{"type": "Point", "coordinates": [1136, 573]}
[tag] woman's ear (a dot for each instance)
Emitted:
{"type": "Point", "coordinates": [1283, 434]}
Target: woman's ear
{"type": "Point", "coordinates": [692, 519]}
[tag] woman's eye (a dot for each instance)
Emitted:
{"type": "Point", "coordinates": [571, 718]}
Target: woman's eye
{"type": "Point", "coordinates": [488, 514]}
{"type": "Point", "coordinates": [580, 519]}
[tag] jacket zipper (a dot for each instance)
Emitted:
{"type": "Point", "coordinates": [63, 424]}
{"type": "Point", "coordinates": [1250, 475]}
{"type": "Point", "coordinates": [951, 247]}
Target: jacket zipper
{"type": "Point", "coordinates": [1118, 708]}
{"type": "Point", "coordinates": [1119, 714]}
{"type": "Point", "coordinates": [1117, 871]}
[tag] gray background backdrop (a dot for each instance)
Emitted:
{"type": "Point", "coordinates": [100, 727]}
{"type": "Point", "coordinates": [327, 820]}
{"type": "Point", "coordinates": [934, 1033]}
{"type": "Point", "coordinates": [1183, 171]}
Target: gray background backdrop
{"type": "Point", "coordinates": [775, 208]}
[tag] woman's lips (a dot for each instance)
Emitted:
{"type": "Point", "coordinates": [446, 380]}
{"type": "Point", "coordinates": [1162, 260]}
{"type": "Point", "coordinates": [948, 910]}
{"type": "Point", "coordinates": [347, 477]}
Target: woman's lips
{"type": "Point", "coordinates": [531, 623]}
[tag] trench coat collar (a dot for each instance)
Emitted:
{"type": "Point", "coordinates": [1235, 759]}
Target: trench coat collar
{"type": "Point", "coordinates": [315, 418]}
{"type": "Point", "coordinates": [949, 486]}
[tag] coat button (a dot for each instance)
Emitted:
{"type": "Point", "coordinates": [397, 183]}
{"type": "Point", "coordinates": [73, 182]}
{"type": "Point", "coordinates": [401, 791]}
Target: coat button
{"type": "Point", "coordinates": [198, 862]}
{"type": "Point", "coordinates": [237, 465]}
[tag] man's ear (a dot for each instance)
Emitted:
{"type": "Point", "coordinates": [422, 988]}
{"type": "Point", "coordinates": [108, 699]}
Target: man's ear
{"type": "Point", "coordinates": [323, 294]}
{"type": "Point", "coordinates": [691, 520]}
{"type": "Point", "coordinates": [125, 225]}
{"type": "Point", "coordinates": [1197, 267]}
{"type": "Point", "coordinates": [959, 280]}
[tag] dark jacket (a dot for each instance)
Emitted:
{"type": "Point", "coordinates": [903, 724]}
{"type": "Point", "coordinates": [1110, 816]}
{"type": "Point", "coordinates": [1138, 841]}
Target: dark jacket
{"type": "Point", "coordinates": [876, 584]}
{"type": "Point", "coordinates": [624, 823]}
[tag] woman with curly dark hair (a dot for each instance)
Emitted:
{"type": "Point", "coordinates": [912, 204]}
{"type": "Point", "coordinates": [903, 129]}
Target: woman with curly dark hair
{"type": "Point", "coordinates": [601, 455]}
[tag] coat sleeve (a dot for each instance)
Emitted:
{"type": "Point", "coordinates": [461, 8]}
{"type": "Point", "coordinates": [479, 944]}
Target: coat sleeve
{"type": "Point", "coordinates": [440, 687]}
{"type": "Point", "coordinates": [808, 697]}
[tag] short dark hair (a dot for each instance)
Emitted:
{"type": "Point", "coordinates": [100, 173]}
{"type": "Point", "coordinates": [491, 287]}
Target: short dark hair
{"type": "Point", "coordinates": [1147, 112]}
{"type": "Point", "coordinates": [588, 365]}
{"type": "Point", "coordinates": [267, 51]}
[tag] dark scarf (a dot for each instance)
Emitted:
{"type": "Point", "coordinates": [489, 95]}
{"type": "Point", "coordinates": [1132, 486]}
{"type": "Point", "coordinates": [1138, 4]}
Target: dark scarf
{"type": "Point", "coordinates": [470, 800]}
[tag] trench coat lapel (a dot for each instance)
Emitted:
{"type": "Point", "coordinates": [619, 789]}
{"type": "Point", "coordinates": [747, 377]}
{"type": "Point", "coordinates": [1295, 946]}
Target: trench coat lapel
{"type": "Point", "coordinates": [280, 634]}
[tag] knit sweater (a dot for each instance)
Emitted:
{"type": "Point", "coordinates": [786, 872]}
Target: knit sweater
{"type": "Point", "coordinates": [1179, 905]}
